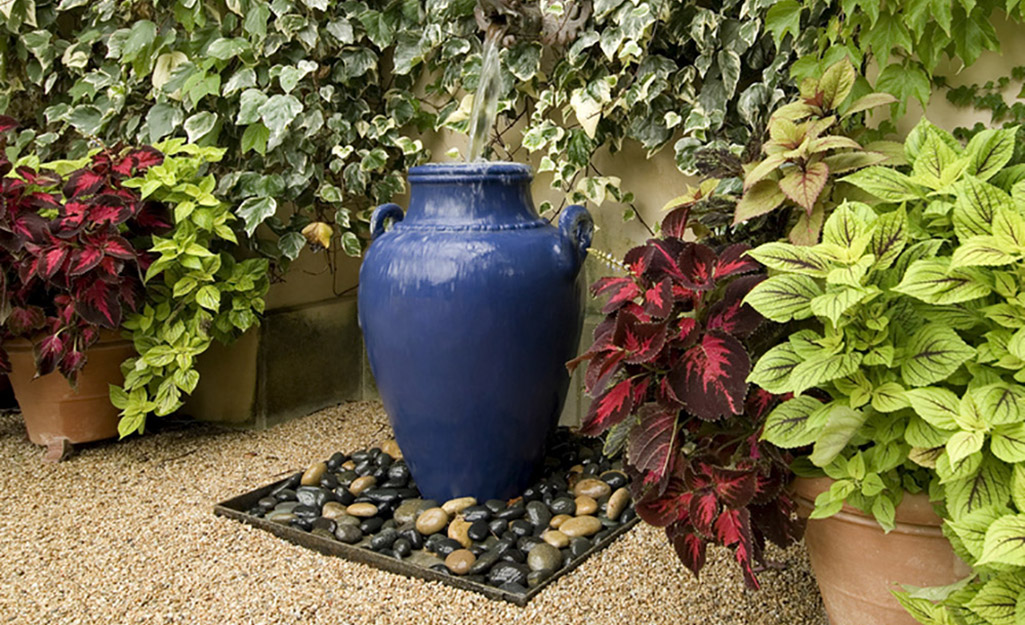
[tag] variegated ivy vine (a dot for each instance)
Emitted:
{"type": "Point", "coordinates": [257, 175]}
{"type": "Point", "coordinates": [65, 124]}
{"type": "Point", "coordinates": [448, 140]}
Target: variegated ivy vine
{"type": "Point", "coordinates": [909, 370]}
{"type": "Point", "coordinates": [320, 102]}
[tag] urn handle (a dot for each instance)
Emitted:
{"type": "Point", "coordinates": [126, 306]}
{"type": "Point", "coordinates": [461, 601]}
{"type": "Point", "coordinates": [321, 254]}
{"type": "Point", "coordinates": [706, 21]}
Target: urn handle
{"type": "Point", "coordinates": [576, 228]}
{"type": "Point", "coordinates": [381, 214]}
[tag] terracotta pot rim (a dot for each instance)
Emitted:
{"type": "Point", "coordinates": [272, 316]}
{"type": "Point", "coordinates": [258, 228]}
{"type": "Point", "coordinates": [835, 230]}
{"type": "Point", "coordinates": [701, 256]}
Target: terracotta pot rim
{"type": "Point", "coordinates": [915, 514]}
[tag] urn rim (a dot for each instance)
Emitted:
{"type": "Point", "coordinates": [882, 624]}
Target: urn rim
{"type": "Point", "coordinates": [489, 171]}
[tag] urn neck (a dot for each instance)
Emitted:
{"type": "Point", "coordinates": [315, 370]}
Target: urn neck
{"type": "Point", "coordinates": [478, 195]}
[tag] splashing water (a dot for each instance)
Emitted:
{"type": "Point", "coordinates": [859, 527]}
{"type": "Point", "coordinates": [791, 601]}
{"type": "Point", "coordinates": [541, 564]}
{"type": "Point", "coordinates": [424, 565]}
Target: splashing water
{"type": "Point", "coordinates": [485, 101]}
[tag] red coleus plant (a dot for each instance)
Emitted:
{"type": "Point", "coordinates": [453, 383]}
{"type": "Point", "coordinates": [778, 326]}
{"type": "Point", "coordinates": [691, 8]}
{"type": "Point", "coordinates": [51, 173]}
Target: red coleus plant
{"type": "Point", "coordinates": [68, 266]}
{"type": "Point", "coordinates": [668, 371]}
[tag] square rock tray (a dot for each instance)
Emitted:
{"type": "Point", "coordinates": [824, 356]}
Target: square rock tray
{"type": "Point", "coordinates": [241, 509]}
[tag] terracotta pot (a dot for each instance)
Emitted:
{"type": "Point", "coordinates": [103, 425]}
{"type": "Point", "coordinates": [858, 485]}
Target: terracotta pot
{"type": "Point", "coordinates": [856, 563]}
{"type": "Point", "coordinates": [54, 412]}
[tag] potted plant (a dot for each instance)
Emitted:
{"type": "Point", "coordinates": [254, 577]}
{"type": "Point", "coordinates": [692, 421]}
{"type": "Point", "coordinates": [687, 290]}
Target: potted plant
{"type": "Point", "coordinates": [906, 375]}
{"type": "Point", "coordinates": [668, 372]}
{"type": "Point", "coordinates": [82, 257]}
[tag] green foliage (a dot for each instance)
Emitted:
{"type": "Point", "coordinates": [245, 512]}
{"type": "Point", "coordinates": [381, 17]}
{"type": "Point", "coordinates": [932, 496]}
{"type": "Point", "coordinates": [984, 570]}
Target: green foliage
{"type": "Point", "coordinates": [991, 96]}
{"type": "Point", "coordinates": [196, 291]}
{"type": "Point", "coordinates": [910, 372]}
{"type": "Point", "coordinates": [809, 143]}
{"type": "Point", "coordinates": [320, 104]}
{"type": "Point", "coordinates": [907, 39]}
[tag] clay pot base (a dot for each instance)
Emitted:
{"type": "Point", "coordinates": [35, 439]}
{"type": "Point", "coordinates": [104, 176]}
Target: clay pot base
{"type": "Point", "coordinates": [856, 564]}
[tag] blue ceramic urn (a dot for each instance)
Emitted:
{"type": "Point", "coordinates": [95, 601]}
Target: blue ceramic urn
{"type": "Point", "coordinates": [470, 305]}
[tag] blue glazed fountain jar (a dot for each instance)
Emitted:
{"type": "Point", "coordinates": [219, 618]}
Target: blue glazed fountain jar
{"type": "Point", "coordinates": [470, 305]}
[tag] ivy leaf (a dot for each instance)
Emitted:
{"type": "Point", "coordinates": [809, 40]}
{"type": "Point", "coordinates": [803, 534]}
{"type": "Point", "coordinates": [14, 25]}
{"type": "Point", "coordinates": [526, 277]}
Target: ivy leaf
{"type": "Point", "coordinates": [905, 82]}
{"type": "Point", "coordinates": [523, 60]}
{"type": "Point", "coordinates": [255, 210]}
{"type": "Point", "coordinates": [783, 17]}
{"type": "Point", "coordinates": [199, 125]}
{"type": "Point", "coordinates": [888, 33]}
{"type": "Point", "coordinates": [290, 244]}
{"type": "Point", "coordinates": [279, 111]}
{"type": "Point", "coordinates": [932, 354]}
{"type": "Point", "coordinates": [255, 138]}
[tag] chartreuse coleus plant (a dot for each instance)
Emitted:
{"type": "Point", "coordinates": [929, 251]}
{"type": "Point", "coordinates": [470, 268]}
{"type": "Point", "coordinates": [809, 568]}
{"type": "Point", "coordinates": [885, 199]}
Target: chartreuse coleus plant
{"type": "Point", "coordinates": [196, 291]}
{"type": "Point", "coordinates": [810, 142]}
{"type": "Point", "coordinates": [908, 370]}
{"type": "Point", "coordinates": [667, 369]}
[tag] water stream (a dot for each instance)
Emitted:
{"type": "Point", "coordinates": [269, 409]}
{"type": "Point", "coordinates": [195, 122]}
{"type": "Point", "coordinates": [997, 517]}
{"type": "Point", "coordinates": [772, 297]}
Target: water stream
{"type": "Point", "coordinates": [485, 101]}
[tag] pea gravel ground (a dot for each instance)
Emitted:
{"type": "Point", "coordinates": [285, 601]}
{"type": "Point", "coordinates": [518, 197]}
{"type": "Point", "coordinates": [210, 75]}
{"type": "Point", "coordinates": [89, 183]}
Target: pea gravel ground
{"type": "Point", "coordinates": [124, 533]}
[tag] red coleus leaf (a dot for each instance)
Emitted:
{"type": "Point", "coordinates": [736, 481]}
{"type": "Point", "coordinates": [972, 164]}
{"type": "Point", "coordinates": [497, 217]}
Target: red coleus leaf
{"type": "Point", "coordinates": [733, 529]}
{"type": "Point", "coordinates": [658, 300]}
{"type": "Point", "coordinates": [608, 409]}
{"type": "Point", "coordinates": [603, 366]}
{"type": "Point", "coordinates": [730, 314]}
{"type": "Point", "coordinates": [110, 208]}
{"type": "Point", "coordinates": [50, 259]}
{"type": "Point", "coordinates": [641, 341]}
{"type": "Point", "coordinates": [651, 443]}
{"type": "Point", "coordinates": [689, 547]}
{"type": "Point", "coordinates": [30, 227]}
{"type": "Point", "coordinates": [735, 488]}
{"type": "Point", "coordinates": [84, 260]}
{"type": "Point", "coordinates": [25, 320]}
{"type": "Point", "coordinates": [734, 261]}
{"type": "Point", "coordinates": [711, 376]}
{"type": "Point", "coordinates": [138, 161]}
{"type": "Point", "coordinates": [698, 263]}
{"type": "Point", "coordinates": [662, 258]}
{"type": "Point", "coordinates": [674, 224]}
{"type": "Point", "coordinates": [71, 364]}
{"type": "Point", "coordinates": [116, 246]}
{"type": "Point", "coordinates": [84, 182]}
{"type": "Point", "coordinates": [687, 331]}
{"type": "Point", "coordinates": [671, 506]}
{"type": "Point", "coordinates": [7, 123]}
{"type": "Point", "coordinates": [153, 218]}
{"type": "Point", "coordinates": [777, 520]}
{"type": "Point", "coordinates": [99, 303]}
{"type": "Point", "coordinates": [620, 291]}
{"type": "Point", "coordinates": [637, 260]}
{"type": "Point", "coordinates": [71, 219]}
{"type": "Point", "coordinates": [39, 179]}
{"type": "Point", "coordinates": [704, 507]}
{"type": "Point", "coordinates": [758, 403]}
{"type": "Point", "coordinates": [49, 352]}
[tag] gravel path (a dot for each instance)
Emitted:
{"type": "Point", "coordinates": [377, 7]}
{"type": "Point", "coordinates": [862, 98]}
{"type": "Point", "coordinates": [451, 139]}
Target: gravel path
{"type": "Point", "coordinates": [124, 533]}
